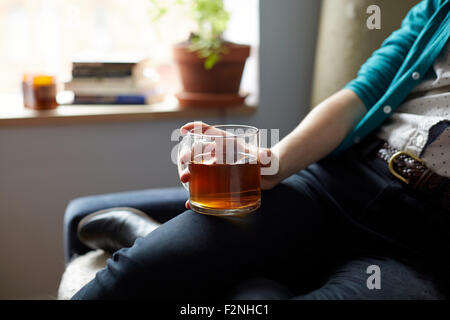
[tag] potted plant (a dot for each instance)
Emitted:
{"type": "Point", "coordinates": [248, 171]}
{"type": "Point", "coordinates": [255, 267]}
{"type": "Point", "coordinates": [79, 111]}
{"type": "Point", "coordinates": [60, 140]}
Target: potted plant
{"type": "Point", "coordinates": [210, 67]}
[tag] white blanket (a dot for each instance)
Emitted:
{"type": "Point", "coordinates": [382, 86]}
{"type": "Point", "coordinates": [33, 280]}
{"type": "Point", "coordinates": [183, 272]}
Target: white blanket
{"type": "Point", "coordinates": [80, 271]}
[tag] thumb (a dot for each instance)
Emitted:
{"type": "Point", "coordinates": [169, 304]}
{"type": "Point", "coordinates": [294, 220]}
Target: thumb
{"type": "Point", "coordinates": [265, 157]}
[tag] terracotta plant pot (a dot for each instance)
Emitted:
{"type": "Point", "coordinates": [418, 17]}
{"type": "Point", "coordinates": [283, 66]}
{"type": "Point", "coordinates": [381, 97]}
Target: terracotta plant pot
{"type": "Point", "coordinates": [218, 86]}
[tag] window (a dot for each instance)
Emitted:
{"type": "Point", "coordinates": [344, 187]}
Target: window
{"type": "Point", "coordinates": [44, 35]}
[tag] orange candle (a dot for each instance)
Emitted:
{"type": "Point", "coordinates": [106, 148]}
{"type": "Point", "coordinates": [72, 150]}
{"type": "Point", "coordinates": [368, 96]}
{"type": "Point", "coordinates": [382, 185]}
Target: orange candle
{"type": "Point", "coordinates": [39, 92]}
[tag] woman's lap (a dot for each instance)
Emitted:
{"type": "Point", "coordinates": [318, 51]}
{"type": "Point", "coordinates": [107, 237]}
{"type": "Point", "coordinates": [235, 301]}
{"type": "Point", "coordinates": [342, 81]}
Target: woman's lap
{"type": "Point", "coordinates": [303, 226]}
{"type": "Point", "coordinates": [195, 255]}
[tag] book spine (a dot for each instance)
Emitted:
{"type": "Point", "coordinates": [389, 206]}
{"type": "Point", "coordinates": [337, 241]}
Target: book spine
{"type": "Point", "coordinates": [88, 73]}
{"type": "Point", "coordinates": [80, 70]}
{"type": "Point", "coordinates": [118, 99]}
{"type": "Point", "coordinates": [127, 65]}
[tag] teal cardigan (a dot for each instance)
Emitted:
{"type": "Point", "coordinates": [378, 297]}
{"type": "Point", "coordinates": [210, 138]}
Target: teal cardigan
{"type": "Point", "coordinates": [393, 70]}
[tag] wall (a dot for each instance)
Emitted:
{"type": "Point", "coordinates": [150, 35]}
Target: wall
{"type": "Point", "coordinates": [42, 168]}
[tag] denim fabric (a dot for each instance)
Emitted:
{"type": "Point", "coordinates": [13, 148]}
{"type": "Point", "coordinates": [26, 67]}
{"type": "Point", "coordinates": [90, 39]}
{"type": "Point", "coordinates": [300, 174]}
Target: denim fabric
{"type": "Point", "coordinates": [312, 238]}
{"type": "Point", "coordinates": [348, 281]}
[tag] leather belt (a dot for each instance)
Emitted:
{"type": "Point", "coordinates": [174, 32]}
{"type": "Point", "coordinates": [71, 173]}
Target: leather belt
{"type": "Point", "coordinates": [412, 171]}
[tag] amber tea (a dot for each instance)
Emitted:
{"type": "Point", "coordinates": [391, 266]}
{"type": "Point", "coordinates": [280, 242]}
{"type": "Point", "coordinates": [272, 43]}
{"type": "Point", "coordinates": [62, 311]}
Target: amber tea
{"type": "Point", "coordinates": [223, 186]}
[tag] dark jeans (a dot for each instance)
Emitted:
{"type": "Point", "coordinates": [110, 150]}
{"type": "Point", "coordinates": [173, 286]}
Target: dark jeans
{"type": "Point", "coordinates": [314, 237]}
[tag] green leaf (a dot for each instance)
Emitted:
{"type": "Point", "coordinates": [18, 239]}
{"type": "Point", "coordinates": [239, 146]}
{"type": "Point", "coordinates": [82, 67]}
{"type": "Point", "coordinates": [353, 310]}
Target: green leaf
{"type": "Point", "coordinates": [211, 19]}
{"type": "Point", "coordinates": [211, 60]}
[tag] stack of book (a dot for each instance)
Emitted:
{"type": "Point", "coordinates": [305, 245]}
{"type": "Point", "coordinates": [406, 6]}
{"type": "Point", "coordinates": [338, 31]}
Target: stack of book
{"type": "Point", "coordinates": [113, 81]}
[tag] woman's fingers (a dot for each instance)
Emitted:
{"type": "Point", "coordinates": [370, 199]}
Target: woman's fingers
{"type": "Point", "coordinates": [202, 128]}
{"type": "Point", "coordinates": [187, 205]}
{"type": "Point", "coordinates": [219, 147]}
{"type": "Point", "coordinates": [185, 156]}
{"type": "Point", "coordinates": [199, 125]}
{"type": "Point", "coordinates": [198, 151]}
{"type": "Point", "coordinates": [206, 151]}
{"type": "Point", "coordinates": [185, 175]}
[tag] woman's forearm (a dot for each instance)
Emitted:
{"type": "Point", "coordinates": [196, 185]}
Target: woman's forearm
{"type": "Point", "coordinates": [320, 132]}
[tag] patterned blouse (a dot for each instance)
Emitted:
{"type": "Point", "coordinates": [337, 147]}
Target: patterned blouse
{"type": "Point", "coordinates": [421, 125]}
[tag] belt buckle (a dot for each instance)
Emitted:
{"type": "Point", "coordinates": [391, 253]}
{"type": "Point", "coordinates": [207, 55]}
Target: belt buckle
{"type": "Point", "coordinates": [391, 164]}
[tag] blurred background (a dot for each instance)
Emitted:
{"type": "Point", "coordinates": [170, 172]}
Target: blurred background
{"type": "Point", "coordinates": [45, 35]}
{"type": "Point", "coordinates": [43, 167]}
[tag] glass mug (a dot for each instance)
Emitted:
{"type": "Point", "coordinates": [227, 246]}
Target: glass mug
{"type": "Point", "coordinates": [225, 173]}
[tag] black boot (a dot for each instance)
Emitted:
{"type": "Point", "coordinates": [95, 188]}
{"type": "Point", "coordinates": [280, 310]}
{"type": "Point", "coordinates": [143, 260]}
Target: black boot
{"type": "Point", "coordinates": [114, 228]}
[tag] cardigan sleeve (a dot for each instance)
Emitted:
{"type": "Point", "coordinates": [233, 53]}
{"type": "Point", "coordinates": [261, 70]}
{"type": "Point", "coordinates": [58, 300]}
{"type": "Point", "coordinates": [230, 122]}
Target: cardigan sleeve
{"type": "Point", "coordinates": [379, 70]}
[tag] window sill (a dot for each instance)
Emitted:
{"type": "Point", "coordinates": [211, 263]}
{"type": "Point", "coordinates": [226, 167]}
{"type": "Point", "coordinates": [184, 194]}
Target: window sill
{"type": "Point", "coordinates": [12, 112]}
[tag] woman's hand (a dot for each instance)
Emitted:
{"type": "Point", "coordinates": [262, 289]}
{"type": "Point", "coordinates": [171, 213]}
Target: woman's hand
{"type": "Point", "coordinates": [265, 156]}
